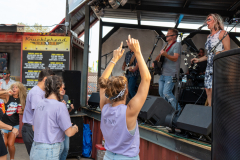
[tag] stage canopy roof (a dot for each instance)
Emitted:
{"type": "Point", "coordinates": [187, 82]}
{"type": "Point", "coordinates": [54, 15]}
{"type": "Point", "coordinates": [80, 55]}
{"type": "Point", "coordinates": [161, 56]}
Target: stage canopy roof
{"type": "Point", "coordinates": [180, 14]}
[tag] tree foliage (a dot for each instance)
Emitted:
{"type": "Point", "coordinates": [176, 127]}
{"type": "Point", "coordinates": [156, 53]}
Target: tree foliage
{"type": "Point", "coordinates": [89, 69]}
{"type": "Point", "coordinates": [37, 28]}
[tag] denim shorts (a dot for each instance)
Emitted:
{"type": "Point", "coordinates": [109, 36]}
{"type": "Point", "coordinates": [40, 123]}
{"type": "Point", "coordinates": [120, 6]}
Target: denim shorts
{"type": "Point", "coordinates": [114, 156]}
{"type": "Point", "coordinates": [8, 131]}
{"type": "Point", "coordinates": [44, 151]}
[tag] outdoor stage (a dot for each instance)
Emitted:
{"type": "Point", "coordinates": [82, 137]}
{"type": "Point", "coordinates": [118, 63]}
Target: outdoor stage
{"type": "Point", "coordinates": [155, 143]}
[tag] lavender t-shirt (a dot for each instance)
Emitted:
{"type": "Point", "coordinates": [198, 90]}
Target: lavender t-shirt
{"type": "Point", "coordinates": [50, 120]}
{"type": "Point", "coordinates": [35, 95]}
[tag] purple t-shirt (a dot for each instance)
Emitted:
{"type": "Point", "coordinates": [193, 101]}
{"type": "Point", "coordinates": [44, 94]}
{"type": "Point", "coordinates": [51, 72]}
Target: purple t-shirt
{"type": "Point", "coordinates": [35, 95]}
{"type": "Point", "coordinates": [50, 120]}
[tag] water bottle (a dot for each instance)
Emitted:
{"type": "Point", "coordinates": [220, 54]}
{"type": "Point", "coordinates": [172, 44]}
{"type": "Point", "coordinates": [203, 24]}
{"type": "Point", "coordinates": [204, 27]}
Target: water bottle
{"type": "Point", "coordinates": [184, 79]}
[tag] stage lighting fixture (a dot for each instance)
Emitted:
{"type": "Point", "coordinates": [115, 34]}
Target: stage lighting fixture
{"type": "Point", "coordinates": [123, 2]}
{"type": "Point", "coordinates": [99, 12]}
{"type": "Point", "coordinates": [114, 3]}
{"type": "Point", "coordinates": [98, 6]}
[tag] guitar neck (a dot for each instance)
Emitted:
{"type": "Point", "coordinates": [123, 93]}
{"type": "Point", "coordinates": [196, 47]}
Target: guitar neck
{"type": "Point", "coordinates": [165, 47]}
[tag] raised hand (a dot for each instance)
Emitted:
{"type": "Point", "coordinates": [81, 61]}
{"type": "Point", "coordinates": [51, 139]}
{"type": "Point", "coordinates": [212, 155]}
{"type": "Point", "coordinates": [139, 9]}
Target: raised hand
{"type": "Point", "coordinates": [133, 45]}
{"type": "Point", "coordinates": [117, 53]}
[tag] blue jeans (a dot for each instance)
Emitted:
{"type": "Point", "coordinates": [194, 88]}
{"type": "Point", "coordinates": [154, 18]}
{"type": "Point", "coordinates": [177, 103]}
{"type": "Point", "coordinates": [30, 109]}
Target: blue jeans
{"type": "Point", "coordinates": [114, 156]}
{"type": "Point", "coordinates": [8, 131]}
{"type": "Point", "coordinates": [165, 90]}
{"type": "Point", "coordinates": [44, 151]}
{"type": "Point", "coordinates": [65, 148]}
{"type": "Point", "coordinates": [132, 86]}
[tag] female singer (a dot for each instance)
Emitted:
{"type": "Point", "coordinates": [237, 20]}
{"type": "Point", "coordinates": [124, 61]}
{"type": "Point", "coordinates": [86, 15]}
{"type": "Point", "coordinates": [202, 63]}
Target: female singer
{"type": "Point", "coordinates": [215, 24]}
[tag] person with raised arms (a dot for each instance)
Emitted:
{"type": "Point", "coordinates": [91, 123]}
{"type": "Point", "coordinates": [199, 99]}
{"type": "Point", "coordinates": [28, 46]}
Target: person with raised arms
{"type": "Point", "coordinates": [119, 121]}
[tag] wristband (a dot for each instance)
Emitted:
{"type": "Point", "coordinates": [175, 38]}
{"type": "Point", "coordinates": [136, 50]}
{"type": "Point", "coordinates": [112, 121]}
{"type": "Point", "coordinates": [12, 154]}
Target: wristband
{"type": "Point", "coordinates": [113, 62]}
{"type": "Point", "coordinates": [12, 128]}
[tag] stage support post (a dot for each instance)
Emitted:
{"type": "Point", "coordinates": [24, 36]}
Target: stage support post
{"type": "Point", "coordinates": [100, 49]}
{"type": "Point", "coordinates": [84, 85]}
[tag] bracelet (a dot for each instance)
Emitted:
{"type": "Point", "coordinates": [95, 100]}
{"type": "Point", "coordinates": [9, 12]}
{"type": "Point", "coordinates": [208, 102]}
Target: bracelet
{"type": "Point", "coordinates": [12, 128]}
{"type": "Point", "coordinates": [113, 62]}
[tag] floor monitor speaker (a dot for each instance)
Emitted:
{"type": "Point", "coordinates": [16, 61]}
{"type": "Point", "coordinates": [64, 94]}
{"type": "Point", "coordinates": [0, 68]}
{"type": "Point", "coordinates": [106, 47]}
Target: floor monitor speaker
{"type": "Point", "coordinates": [155, 110]}
{"type": "Point", "coordinates": [94, 99]}
{"type": "Point", "coordinates": [196, 118]}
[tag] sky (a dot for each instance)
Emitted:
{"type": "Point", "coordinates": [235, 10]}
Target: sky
{"type": "Point", "coordinates": [50, 12]}
{"type": "Point", "coordinates": [47, 13]}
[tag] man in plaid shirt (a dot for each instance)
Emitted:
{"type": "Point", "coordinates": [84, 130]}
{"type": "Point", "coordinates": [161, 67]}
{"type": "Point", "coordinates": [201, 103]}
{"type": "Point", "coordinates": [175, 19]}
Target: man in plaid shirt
{"type": "Point", "coordinates": [132, 74]}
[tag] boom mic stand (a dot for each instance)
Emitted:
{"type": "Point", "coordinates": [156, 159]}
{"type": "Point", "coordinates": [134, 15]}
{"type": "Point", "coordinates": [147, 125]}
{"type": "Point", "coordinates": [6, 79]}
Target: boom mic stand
{"type": "Point", "coordinates": [106, 55]}
{"type": "Point", "coordinates": [150, 56]}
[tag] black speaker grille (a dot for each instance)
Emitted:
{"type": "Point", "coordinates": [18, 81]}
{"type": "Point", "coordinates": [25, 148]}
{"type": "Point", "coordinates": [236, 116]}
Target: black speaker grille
{"type": "Point", "coordinates": [226, 106]}
{"type": "Point", "coordinates": [76, 141]}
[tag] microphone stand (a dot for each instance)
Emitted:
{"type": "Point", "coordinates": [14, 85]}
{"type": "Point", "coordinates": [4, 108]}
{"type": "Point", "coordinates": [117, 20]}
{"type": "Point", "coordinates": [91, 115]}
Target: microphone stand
{"type": "Point", "coordinates": [106, 55]}
{"type": "Point", "coordinates": [176, 79]}
{"type": "Point", "coordinates": [150, 56]}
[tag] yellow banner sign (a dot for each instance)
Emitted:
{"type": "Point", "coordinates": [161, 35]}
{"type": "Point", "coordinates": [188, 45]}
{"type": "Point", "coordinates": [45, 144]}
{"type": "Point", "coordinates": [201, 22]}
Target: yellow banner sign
{"type": "Point", "coordinates": [46, 43]}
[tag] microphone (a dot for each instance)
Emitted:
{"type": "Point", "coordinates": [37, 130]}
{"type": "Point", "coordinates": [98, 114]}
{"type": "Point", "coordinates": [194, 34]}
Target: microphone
{"type": "Point", "coordinates": [200, 28]}
{"type": "Point", "coordinates": [124, 46]}
{"type": "Point", "coordinates": [162, 36]}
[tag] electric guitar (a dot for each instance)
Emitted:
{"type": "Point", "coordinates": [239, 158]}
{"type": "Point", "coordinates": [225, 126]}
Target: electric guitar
{"type": "Point", "coordinates": [159, 63]}
{"type": "Point", "coordinates": [126, 71]}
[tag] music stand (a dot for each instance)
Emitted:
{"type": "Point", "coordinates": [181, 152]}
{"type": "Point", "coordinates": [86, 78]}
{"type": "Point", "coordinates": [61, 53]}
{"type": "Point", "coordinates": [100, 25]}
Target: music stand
{"type": "Point", "coordinates": [190, 45]}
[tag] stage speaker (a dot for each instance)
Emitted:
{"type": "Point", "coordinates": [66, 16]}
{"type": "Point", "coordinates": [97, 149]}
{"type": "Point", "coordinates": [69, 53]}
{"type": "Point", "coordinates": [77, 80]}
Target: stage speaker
{"type": "Point", "coordinates": [193, 95]}
{"type": "Point", "coordinates": [226, 110]}
{"type": "Point", "coordinates": [196, 118]}
{"type": "Point", "coordinates": [76, 141]}
{"type": "Point", "coordinates": [72, 80]}
{"type": "Point", "coordinates": [94, 100]}
{"type": "Point", "coordinates": [155, 110]}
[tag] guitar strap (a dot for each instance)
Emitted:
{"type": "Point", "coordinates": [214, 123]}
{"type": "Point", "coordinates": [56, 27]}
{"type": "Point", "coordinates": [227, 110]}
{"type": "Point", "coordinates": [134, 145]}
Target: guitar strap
{"type": "Point", "coordinates": [169, 48]}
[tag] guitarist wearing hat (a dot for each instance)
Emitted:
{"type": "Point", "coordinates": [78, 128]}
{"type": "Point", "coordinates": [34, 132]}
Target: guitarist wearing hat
{"type": "Point", "coordinates": [170, 67]}
{"type": "Point", "coordinates": [130, 66]}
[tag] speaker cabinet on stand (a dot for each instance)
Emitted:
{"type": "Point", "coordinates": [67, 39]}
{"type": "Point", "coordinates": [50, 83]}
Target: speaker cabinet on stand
{"type": "Point", "coordinates": [72, 80]}
{"type": "Point", "coordinates": [225, 105]}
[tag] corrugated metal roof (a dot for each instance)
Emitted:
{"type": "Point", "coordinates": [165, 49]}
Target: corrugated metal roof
{"type": "Point", "coordinates": [195, 12]}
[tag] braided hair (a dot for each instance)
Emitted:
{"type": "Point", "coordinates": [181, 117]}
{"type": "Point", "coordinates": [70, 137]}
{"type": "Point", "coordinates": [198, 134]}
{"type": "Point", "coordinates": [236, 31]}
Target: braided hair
{"type": "Point", "coordinates": [53, 85]}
